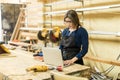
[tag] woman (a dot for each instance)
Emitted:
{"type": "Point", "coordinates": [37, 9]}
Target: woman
{"type": "Point", "coordinates": [74, 43]}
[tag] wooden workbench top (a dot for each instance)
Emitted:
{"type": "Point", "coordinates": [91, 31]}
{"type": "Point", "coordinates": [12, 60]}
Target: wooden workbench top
{"type": "Point", "coordinates": [13, 66]}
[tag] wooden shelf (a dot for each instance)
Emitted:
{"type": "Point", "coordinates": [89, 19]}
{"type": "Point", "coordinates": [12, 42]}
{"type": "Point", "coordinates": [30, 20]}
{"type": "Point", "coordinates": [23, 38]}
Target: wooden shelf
{"type": "Point", "coordinates": [62, 2]}
{"type": "Point", "coordinates": [33, 29]}
{"type": "Point", "coordinates": [86, 9]}
{"type": "Point", "coordinates": [104, 33]}
{"type": "Point", "coordinates": [47, 22]}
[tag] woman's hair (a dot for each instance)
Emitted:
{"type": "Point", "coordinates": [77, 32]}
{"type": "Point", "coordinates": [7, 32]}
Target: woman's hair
{"type": "Point", "coordinates": [72, 14]}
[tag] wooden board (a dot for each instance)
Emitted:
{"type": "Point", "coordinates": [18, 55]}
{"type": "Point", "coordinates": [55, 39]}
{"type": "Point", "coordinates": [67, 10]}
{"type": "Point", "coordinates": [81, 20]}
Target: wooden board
{"type": "Point", "coordinates": [27, 45]}
{"type": "Point", "coordinates": [75, 68]}
{"type": "Point", "coordinates": [15, 33]}
{"type": "Point", "coordinates": [6, 55]}
{"type": "Point", "coordinates": [107, 61]}
{"type": "Point", "coordinates": [19, 43]}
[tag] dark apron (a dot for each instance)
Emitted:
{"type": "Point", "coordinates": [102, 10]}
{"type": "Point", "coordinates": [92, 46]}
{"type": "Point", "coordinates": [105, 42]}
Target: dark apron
{"type": "Point", "coordinates": [70, 49]}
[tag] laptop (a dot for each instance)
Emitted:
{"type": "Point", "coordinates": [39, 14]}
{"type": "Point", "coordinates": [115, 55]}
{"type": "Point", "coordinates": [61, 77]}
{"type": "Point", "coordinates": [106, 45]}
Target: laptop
{"type": "Point", "coordinates": [52, 56]}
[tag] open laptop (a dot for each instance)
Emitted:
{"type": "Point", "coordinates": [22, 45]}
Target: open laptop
{"type": "Point", "coordinates": [52, 56]}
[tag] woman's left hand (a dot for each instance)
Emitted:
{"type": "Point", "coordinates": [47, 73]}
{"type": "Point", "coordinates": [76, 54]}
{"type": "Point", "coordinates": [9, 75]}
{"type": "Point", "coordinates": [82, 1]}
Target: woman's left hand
{"type": "Point", "coordinates": [71, 61]}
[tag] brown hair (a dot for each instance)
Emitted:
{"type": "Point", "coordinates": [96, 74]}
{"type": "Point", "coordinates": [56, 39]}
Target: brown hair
{"type": "Point", "coordinates": [72, 14]}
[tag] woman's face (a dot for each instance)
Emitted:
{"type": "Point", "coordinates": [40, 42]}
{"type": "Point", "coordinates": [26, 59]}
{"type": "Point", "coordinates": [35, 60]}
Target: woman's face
{"type": "Point", "coordinates": [68, 22]}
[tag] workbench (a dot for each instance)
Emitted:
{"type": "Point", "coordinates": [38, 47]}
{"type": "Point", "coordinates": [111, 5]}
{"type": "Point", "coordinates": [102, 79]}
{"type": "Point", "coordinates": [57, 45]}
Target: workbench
{"type": "Point", "coordinates": [13, 66]}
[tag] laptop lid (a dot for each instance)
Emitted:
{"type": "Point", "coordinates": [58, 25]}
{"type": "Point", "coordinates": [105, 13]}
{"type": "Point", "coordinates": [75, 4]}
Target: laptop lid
{"type": "Point", "coordinates": [52, 56]}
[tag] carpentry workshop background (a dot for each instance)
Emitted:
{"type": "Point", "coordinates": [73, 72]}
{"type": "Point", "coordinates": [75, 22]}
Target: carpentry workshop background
{"type": "Point", "coordinates": [26, 26]}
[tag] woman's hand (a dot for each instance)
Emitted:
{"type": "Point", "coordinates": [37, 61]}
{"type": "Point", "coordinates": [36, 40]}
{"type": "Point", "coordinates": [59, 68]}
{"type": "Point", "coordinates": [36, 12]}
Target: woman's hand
{"type": "Point", "coordinates": [71, 61]}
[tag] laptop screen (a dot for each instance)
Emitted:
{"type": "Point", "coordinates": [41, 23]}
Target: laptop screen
{"type": "Point", "coordinates": [52, 56]}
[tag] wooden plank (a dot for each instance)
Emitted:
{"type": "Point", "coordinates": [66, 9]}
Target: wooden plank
{"type": "Point", "coordinates": [107, 61]}
{"type": "Point", "coordinates": [17, 26]}
{"type": "Point", "coordinates": [75, 68]}
{"type": "Point", "coordinates": [60, 76]}
{"type": "Point", "coordinates": [29, 34]}
{"type": "Point", "coordinates": [6, 55]}
{"type": "Point", "coordinates": [20, 43]}
{"type": "Point", "coordinates": [27, 45]}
